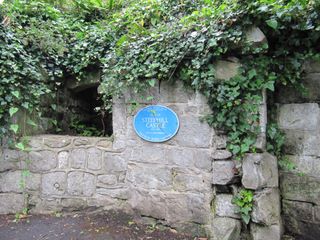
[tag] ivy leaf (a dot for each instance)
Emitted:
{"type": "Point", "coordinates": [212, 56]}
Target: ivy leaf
{"type": "Point", "coordinates": [20, 146]}
{"type": "Point", "coordinates": [152, 82]}
{"type": "Point", "coordinates": [252, 73]}
{"type": "Point", "coordinates": [16, 94]}
{"type": "Point", "coordinates": [272, 23]}
{"type": "Point", "coordinates": [31, 123]}
{"type": "Point", "coordinates": [14, 128]}
{"type": "Point", "coordinates": [122, 40]}
{"type": "Point", "coordinates": [245, 218]}
{"type": "Point", "coordinates": [13, 110]}
{"type": "Point", "coordinates": [270, 85]}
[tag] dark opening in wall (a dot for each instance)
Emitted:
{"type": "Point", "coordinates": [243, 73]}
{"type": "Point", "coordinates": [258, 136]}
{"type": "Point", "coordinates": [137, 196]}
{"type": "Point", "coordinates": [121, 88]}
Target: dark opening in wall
{"type": "Point", "coordinates": [82, 113]}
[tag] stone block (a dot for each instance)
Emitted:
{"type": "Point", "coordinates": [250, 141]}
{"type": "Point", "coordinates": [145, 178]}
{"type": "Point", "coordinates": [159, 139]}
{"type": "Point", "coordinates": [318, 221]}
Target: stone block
{"type": "Point", "coordinates": [259, 170]}
{"type": "Point", "coordinates": [150, 203]}
{"type": "Point", "coordinates": [221, 154]}
{"type": "Point", "coordinates": [174, 93]}
{"type": "Point", "coordinates": [298, 211]}
{"type": "Point", "coordinates": [224, 70]}
{"type": "Point", "coordinates": [63, 159]}
{"type": "Point", "coordinates": [299, 116]}
{"type": "Point", "coordinates": [53, 183]}
{"type": "Point", "coordinates": [223, 172]}
{"type": "Point", "coordinates": [187, 208]}
{"type": "Point", "coordinates": [266, 207]}
{"type": "Point", "coordinates": [184, 180]}
{"type": "Point", "coordinates": [260, 232]}
{"type": "Point", "coordinates": [183, 157]}
{"type": "Point", "coordinates": [35, 143]}
{"type": "Point", "coordinates": [300, 188]}
{"type": "Point", "coordinates": [224, 206]}
{"type": "Point", "coordinates": [226, 229]}
{"type": "Point", "coordinates": [203, 159]}
{"type": "Point", "coordinates": [220, 141]}
{"type": "Point", "coordinates": [105, 144]}
{"type": "Point", "coordinates": [308, 165]}
{"type": "Point", "coordinates": [11, 203]}
{"type": "Point", "coordinates": [78, 158]}
{"type": "Point", "coordinates": [316, 210]}
{"type": "Point", "coordinates": [11, 159]}
{"type": "Point", "coordinates": [81, 142]}
{"type": "Point", "coordinates": [312, 66]}
{"type": "Point", "coordinates": [114, 163]}
{"type": "Point", "coordinates": [81, 184]}
{"type": "Point", "coordinates": [42, 160]}
{"type": "Point", "coordinates": [107, 180]}
{"type": "Point", "coordinates": [73, 204]}
{"type": "Point", "coordinates": [150, 177]}
{"type": "Point", "coordinates": [256, 36]}
{"type": "Point", "coordinates": [148, 154]}
{"type": "Point", "coordinates": [56, 141]}
{"type": "Point", "coordinates": [121, 193]}
{"type": "Point", "coordinates": [10, 182]}
{"type": "Point", "coordinates": [201, 133]}
{"type": "Point", "coordinates": [94, 158]}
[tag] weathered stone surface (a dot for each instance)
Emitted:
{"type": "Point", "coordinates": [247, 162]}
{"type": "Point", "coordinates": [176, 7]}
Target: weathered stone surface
{"type": "Point", "coordinates": [203, 159]}
{"type": "Point", "coordinates": [173, 93]}
{"type": "Point", "coordinates": [259, 170]}
{"type": "Point", "coordinates": [121, 193]}
{"type": "Point", "coordinates": [56, 142]}
{"type": "Point", "coordinates": [184, 180]}
{"type": "Point", "coordinates": [148, 202]}
{"type": "Point", "coordinates": [220, 141]}
{"type": "Point", "coordinates": [223, 172]}
{"type": "Point", "coordinates": [299, 116]}
{"type": "Point", "coordinates": [226, 229]}
{"type": "Point", "coordinates": [298, 211]}
{"type": "Point", "coordinates": [312, 66]}
{"type": "Point", "coordinates": [73, 204]}
{"type": "Point", "coordinates": [81, 184]}
{"type": "Point", "coordinates": [150, 177]}
{"type": "Point", "coordinates": [107, 180]}
{"type": "Point", "coordinates": [221, 154]}
{"type": "Point", "coordinates": [148, 154]}
{"type": "Point", "coordinates": [224, 206]}
{"type": "Point", "coordinates": [224, 70]}
{"type": "Point", "coordinates": [114, 163]}
{"type": "Point", "coordinates": [10, 182]}
{"type": "Point", "coordinates": [78, 158]}
{"type": "Point", "coordinates": [35, 143]}
{"type": "Point", "coordinates": [105, 144]}
{"type": "Point", "coordinates": [11, 159]}
{"type": "Point", "coordinates": [259, 232]}
{"type": "Point", "coordinates": [255, 36]}
{"type": "Point", "coordinates": [81, 142]}
{"type": "Point", "coordinates": [266, 208]}
{"type": "Point", "coordinates": [94, 158]}
{"type": "Point", "coordinates": [53, 183]}
{"type": "Point", "coordinates": [11, 203]}
{"type": "Point", "coordinates": [306, 164]}
{"type": "Point", "coordinates": [300, 188]}
{"type": "Point", "coordinates": [42, 160]}
{"type": "Point", "coordinates": [191, 126]}
{"type": "Point", "coordinates": [63, 159]}
{"type": "Point", "coordinates": [187, 208]}
{"type": "Point", "coordinates": [183, 157]}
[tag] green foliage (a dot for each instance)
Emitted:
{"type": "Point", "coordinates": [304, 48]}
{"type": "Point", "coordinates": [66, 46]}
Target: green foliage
{"type": "Point", "coordinates": [137, 43]}
{"type": "Point", "coordinates": [244, 201]}
{"type": "Point", "coordinates": [83, 129]}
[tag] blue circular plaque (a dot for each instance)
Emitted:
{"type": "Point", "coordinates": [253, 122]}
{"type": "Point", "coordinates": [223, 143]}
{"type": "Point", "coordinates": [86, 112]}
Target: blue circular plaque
{"type": "Point", "coordinates": [156, 123]}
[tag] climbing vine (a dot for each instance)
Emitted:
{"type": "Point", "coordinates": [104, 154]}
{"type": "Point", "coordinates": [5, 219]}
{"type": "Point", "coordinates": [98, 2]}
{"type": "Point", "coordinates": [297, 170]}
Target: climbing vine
{"type": "Point", "coordinates": [138, 43]}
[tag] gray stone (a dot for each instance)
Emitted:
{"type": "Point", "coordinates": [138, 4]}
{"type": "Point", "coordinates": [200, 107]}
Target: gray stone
{"type": "Point", "coordinates": [173, 93]}
{"type": "Point", "coordinates": [121, 193]}
{"type": "Point", "coordinates": [53, 183]}
{"type": "Point", "coordinates": [42, 160]}
{"type": "Point", "coordinates": [11, 203]}
{"type": "Point", "coordinates": [104, 144]}
{"type": "Point", "coordinates": [81, 184]}
{"type": "Point", "coordinates": [299, 116]}
{"type": "Point", "coordinates": [255, 36]}
{"type": "Point", "coordinates": [81, 142]}
{"type": "Point", "coordinates": [187, 207]}
{"type": "Point", "coordinates": [266, 207]}
{"type": "Point", "coordinates": [78, 158]}
{"type": "Point", "coordinates": [223, 172]}
{"type": "Point", "coordinates": [149, 154]}
{"type": "Point", "coordinates": [224, 70]}
{"type": "Point", "coordinates": [35, 143]}
{"type": "Point", "coordinates": [11, 182]}
{"type": "Point", "coordinates": [150, 203]}
{"type": "Point", "coordinates": [224, 206]}
{"type": "Point", "coordinates": [308, 165]}
{"type": "Point", "coordinates": [203, 159]}
{"type": "Point", "coordinates": [11, 160]}
{"type": "Point", "coordinates": [183, 157]}
{"type": "Point", "coordinates": [221, 154]}
{"type": "Point", "coordinates": [184, 180]}
{"type": "Point", "coordinates": [220, 141]}
{"type": "Point", "coordinates": [201, 133]}
{"type": "Point", "coordinates": [73, 204]}
{"type": "Point", "coordinates": [297, 211]}
{"type": "Point", "coordinates": [259, 232]}
{"type": "Point", "coordinates": [105, 180]}
{"type": "Point", "coordinates": [63, 159]}
{"type": "Point", "coordinates": [259, 170]}
{"type": "Point", "coordinates": [312, 66]}
{"type": "Point", "coordinates": [150, 177]}
{"type": "Point", "coordinates": [94, 158]}
{"type": "Point", "coordinates": [56, 142]}
{"type": "Point", "coordinates": [301, 188]}
{"type": "Point", "coordinates": [114, 163]}
{"type": "Point", "coordinates": [226, 229]}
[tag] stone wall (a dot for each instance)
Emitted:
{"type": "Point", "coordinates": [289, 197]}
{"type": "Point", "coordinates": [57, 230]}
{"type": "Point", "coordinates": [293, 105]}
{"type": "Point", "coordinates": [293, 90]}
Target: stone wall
{"type": "Point", "coordinates": [186, 183]}
{"type": "Point", "coordinates": [299, 117]}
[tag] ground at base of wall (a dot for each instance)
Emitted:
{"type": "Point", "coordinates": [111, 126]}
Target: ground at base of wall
{"type": "Point", "coordinates": [81, 226]}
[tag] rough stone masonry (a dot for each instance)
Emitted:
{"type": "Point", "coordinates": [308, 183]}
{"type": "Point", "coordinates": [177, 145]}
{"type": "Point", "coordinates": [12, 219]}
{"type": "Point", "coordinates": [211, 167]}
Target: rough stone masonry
{"type": "Point", "coordinates": [187, 183]}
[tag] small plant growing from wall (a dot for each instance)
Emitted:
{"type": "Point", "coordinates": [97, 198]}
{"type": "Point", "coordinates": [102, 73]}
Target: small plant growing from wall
{"type": "Point", "coordinates": [244, 202]}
